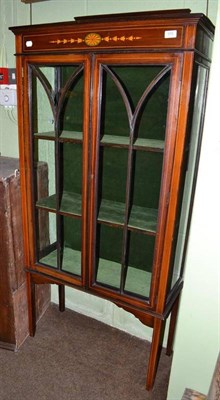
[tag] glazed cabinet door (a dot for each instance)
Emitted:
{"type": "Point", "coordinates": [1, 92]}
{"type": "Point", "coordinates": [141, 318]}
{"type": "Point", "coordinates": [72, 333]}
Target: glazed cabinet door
{"type": "Point", "coordinates": [134, 130]}
{"type": "Point", "coordinates": [58, 143]}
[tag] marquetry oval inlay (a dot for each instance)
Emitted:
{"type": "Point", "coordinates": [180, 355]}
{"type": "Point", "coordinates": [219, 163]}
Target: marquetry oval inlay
{"type": "Point", "coordinates": [93, 39]}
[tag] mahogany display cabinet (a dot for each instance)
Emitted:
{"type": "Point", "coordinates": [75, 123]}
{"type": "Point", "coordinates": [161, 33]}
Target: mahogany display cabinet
{"type": "Point", "coordinates": [113, 105]}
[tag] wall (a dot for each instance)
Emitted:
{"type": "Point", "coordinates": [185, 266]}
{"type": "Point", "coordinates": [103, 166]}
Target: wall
{"type": "Point", "coordinates": [198, 323]}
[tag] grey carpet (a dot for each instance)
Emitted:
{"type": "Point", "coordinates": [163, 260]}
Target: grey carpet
{"type": "Point", "coordinates": [73, 357]}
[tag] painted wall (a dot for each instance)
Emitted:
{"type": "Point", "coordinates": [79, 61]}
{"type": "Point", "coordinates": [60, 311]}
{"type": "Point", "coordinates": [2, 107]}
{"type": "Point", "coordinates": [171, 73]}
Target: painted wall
{"type": "Point", "coordinates": [197, 339]}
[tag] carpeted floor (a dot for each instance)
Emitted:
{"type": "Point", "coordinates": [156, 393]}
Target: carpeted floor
{"type": "Point", "coordinates": [73, 357]}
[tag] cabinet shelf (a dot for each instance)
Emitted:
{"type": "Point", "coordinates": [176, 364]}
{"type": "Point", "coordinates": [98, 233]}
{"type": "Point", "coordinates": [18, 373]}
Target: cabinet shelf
{"type": "Point", "coordinates": [115, 140]}
{"type": "Point", "coordinates": [50, 135]}
{"type": "Point", "coordinates": [71, 260]}
{"type": "Point", "coordinates": [64, 136]}
{"type": "Point", "coordinates": [140, 143]}
{"type": "Point", "coordinates": [70, 203]}
{"type": "Point", "coordinates": [149, 144]}
{"type": "Point", "coordinates": [137, 280]}
{"type": "Point", "coordinates": [144, 219]}
{"type": "Point", "coordinates": [71, 135]}
{"type": "Point", "coordinates": [141, 218]}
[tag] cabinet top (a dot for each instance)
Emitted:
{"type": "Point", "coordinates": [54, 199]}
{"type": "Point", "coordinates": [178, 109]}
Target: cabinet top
{"type": "Point", "coordinates": [174, 29]}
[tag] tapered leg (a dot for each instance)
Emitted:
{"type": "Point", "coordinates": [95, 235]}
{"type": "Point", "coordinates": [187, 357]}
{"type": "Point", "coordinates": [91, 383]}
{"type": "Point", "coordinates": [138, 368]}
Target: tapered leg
{"type": "Point", "coordinates": [31, 305]}
{"type": "Point", "coordinates": [61, 289]}
{"type": "Point", "coordinates": [156, 345]}
{"type": "Point", "coordinates": [172, 326]}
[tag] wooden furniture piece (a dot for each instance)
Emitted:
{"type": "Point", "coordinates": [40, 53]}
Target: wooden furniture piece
{"type": "Point", "coordinates": [13, 285]}
{"type": "Point", "coordinates": [112, 104]}
{"type": "Point", "coordinates": [214, 389]}
{"type": "Point", "coordinates": [193, 395]}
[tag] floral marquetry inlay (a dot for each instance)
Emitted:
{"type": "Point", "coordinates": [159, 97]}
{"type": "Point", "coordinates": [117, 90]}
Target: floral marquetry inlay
{"type": "Point", "coordinates": [94, 39]}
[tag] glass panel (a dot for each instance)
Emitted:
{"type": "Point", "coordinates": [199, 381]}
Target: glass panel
{"type": "Point", "coordinates": [135, 79]}
{"type": "Point", "coordinates": [42, 113]}
{"type": "Point", "coordinates": [71, 117]}
{"type": "Point", "coordinates": [140, 260]}
{"type": "Point", "coordinates": [112, 184]}
{"type": "Point", "coordinates": [108, 255]}
{"type": "Point", "coordinates": [66, 72]}
{"type": "Point", "coordinates": [71, 246]}
{"type": "Point", "coordinates": [123, 88]}
{"type": "Point", "coordinates": [46, 238]}
{"type": "Point", "coordinates": [57, 94]}
{"type": "Point", "coordinates": [49, 75]}
{"type": "Point", "coordinates": [44, 182]}
{"type": "Point", "coordinates": [50, 84]}
{"type": "Point", "coordinates": [71, 178]}
{"type": "Point", "coordinates": [112, 105]}
{"type": "Point", "coordinates": [134, 101]}
{"type": "Point", "coordinates": [196, 131]}
{"type": "Point", "coordinates": [151, 121]}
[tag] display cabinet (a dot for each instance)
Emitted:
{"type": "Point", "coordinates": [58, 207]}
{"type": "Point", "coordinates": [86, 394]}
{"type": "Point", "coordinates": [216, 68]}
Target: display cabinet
{"type": "Point", "coordinates": [113, 106]}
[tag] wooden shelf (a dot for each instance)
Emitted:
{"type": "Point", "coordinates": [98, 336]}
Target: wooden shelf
{"type": "Point", "coordinates": [137, 281]}
{"type": "Point", "coordinates": [109, 273]}
{"type": "Point", "coordinates": [48, 203]}
{"type": "Point", "coordinates": [71, 135]}
{"type": "Point", "coordinates": [71, 203]}
{"type": "Point", "coordinates": [149, 144]}
{"type": "Point", "coordinates": [144, 219]}
{"type": "Point", "coordinates": [141, 218]}
{"type": "Point", "coordinates": [115, 140]}
{"type": "Point", "coordinates": [50, 135]}
{"type": "Point", "coordinates": [111, 211]}
{"type": "Point", "coordinates": [140, 143]}
{"type": "Point", "coordinates": [71, 260]}
{"type": "Point", "coordinates": [64, 136]}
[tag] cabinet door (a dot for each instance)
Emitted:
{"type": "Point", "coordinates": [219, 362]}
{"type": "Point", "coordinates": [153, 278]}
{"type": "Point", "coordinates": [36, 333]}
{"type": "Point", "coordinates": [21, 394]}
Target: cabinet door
{"type": "Point", "coordinates": [58, 94]}
{"type": "Point", "coordinates": [133, 147]}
